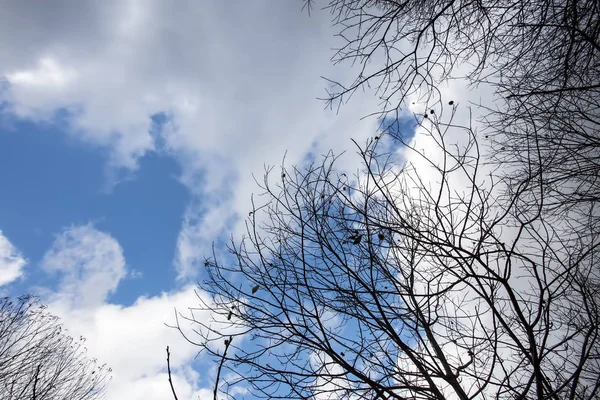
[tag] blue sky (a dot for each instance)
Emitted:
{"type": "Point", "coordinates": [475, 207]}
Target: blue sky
{"type": "Point", "coordinates": [51, 181]}
{"type": "Point", "coordinates": [129, 136]}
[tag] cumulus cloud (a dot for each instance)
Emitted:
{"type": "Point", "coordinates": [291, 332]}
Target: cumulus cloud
{"type": "Point", "coordinates": [11, 261]}
{"type": "Point", "coordinates": [88, 262]}
{"type": "Point", "coordinates": [238, 84]}
{"type": "Point", "coordinates": [132, 341]}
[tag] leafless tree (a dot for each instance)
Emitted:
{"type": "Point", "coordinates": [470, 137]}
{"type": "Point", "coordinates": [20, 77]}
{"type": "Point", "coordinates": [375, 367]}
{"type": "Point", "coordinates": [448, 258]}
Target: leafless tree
{"type": "Point", "coordinates": [432, 279]}
{"type": "Point", "coordinates": [417, 277]}
{"type": "Point", "coordinates": [542, 57]}
{"type": "Point", "coordinates": [38, 360]}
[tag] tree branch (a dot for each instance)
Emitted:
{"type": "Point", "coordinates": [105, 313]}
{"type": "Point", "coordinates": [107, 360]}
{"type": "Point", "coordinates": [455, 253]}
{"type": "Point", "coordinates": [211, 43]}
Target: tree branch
{"type": "Point", "coordinates": [169, 371]}
{"type": "Point", "coordinates": [227, 344]}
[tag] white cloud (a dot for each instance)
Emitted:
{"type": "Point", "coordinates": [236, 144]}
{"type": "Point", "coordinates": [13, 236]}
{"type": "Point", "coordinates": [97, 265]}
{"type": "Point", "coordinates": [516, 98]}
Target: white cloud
{"type": "Point", "coordinates": [132, 341]}
{"type": "Point", "coordinates": [11, 261]}
{"type": "Point", "coordinates": [90, 265]}
{"type": "Point", "coordinates": [156, 387]}
{"type": "Point", "coordinates": [48, 73]}
{"type": "Point", "coordinates": [238, 82]}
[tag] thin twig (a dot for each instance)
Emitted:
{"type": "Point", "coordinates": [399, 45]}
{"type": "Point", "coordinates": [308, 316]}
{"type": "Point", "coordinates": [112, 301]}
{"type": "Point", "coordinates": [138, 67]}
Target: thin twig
{"type": "Point", "coordinates": [227, 344]}
{"type": "Point", "coordinates": [169, 371]}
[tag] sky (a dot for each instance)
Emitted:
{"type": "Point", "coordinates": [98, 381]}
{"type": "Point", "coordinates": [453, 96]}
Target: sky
{"type": "Point", "coordinates": [130, 133]}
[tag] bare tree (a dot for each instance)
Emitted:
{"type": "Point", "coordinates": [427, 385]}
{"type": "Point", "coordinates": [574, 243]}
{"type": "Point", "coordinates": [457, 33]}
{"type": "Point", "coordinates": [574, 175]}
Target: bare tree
{"type": "Point", "coordinates": [431, 278]}
{"type": "Point", "coordinates": [542, 57]}
{"type": "Point", "coordinates": [416, 278]}
{"type": "Point", "coordinates": [38, 360]}
{"type": "Point", "coordinates": [527, 48]}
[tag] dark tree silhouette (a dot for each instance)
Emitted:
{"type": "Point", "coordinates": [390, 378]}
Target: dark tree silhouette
{"type": "Point", "coordinates": [39, 361]}
{"type": "Point", "coordinates": [451, 273]}
{"type": "Point", "coordinates": [541, 57]}
{"type": "Point", "coordinates": [417, 278]}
